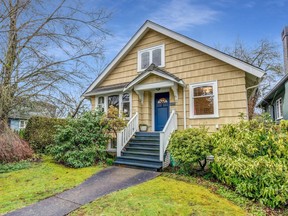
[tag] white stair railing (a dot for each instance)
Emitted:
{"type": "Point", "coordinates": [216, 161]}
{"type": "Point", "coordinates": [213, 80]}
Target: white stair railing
{"type": "Point", "coordinates": [125, 135]}
{"type": "Point", "coordinates": [165, 134]}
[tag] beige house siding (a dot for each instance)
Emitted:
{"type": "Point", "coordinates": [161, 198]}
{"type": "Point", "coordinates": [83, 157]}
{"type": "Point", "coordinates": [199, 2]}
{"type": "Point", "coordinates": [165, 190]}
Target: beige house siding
{"type": "Point", "coordinates": [192, 66]}
{"type": "Point", "coordinates": [93, 104]}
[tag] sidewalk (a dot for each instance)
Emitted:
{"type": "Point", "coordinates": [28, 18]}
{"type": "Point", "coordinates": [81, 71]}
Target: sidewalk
{"type": "Point", "coordinates": [100, 184]}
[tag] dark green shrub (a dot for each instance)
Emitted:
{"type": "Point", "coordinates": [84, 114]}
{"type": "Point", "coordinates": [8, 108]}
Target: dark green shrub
{"type": "Point", "coordinates": [40, 132]}
{"type": "Point", "coordinates": [190, 146]}
{"type": "Point", "coordinates": [252, 157]}
{"type": "Point", "coordinates": [81, 141]}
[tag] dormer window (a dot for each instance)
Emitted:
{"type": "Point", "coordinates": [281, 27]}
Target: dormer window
{"type": "Point", "coordinates": [151, 55]}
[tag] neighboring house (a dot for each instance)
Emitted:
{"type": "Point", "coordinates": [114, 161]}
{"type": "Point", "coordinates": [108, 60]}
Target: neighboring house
{"type": "Point", "coordinates": [19, 116]}
{"type": "Point", "coordinates": [276, 101]}
{"type": "Point", "coordinates": [169, 82]}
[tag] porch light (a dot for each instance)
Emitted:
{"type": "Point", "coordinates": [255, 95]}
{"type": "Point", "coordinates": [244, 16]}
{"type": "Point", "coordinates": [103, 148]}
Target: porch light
{"type": "Point", "coordinates": [158, 89]}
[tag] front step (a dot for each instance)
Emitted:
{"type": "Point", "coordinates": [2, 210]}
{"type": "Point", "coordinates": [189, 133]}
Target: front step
{"type": "Point", "coordinates": [141, 154]}
{"type": "Point", "coordinates": [139, 160]}
{"type": "Point", "coordinates": [139, 165]}
{"type": "Point", "coordinates": [142, 151]}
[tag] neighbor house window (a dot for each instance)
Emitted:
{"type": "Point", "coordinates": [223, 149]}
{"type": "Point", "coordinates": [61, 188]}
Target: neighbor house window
{"type": "Point", "coordinates": [279, 109]}
{"type": "Point", "coordinates": [204, 100]}
{"type": "Point", "coordinates": [101, 104]}
{"type": "Point", "coordinates": [151, 55]}
{"type": "Point", "coordinates": [126, 105]}
{"type": "Point", "coordinates": [22, 124]}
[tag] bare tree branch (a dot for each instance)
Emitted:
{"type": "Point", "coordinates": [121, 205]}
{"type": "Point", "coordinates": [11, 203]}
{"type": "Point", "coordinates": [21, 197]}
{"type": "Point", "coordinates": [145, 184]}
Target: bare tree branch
{"type": "Point", "coordinates": [47, 49]}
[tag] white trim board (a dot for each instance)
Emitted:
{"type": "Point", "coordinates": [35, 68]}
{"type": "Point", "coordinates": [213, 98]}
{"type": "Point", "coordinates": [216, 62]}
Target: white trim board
{"type": "Point", "coordinates": [144, 75]}
{"type": "Point", "coordinates": [183, 39]}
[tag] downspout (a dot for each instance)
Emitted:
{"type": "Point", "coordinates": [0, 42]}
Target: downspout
{"type": "Point", "coordinates": [184, 108]}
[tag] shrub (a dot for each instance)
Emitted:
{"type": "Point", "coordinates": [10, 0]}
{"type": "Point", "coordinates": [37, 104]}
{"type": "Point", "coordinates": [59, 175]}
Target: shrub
{"type": "Point", "coordinates": [190, 146]}
{"type": "Point", "coordinates": [81, 141]}
{"type": "Point", "coordinates": [114, 122]}
{"type": "Point", "coordinates": [40, 132]}
{"type": "Point", "coordinates": [252, 157]}
{"type": "Point", "coordinates": [12, 148]}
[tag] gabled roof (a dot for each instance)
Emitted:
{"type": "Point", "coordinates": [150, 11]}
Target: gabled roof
{"type": "Point", "coordinates": [153, 69]}
{"type": "Point", "coordinates": [270, 95]}
{"type": "Point", "coordinates": [258, 72]}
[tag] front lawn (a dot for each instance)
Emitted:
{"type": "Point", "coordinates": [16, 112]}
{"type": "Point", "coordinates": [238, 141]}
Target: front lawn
{"type": "Point", "coordinates": [23, 187]}
{"type": "Point", "coordinates": [162, 196]}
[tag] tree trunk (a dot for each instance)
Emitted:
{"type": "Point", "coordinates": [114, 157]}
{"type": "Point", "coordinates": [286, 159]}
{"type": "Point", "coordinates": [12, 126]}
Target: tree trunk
{"type": "Point", "coordinates": [203, 165]}
{"type": "Point", "coordinates": [252, 103]}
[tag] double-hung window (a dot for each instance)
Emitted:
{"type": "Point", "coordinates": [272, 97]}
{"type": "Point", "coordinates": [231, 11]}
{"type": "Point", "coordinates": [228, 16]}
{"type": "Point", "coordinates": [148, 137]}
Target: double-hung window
{"type": "Point", "coordinates": [151, 55]}
{"type": "Point", "coordinates": [126, 105]}
{"type": "Point", "coordinates": [204, 100]}
{"type": "Point", "coordinates": [279, 109]}
{"type": "Point", "coordinates": [101, 103]}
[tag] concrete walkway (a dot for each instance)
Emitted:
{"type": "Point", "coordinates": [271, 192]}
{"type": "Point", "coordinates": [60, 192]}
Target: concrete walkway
{"type": "Point", "coordinates": [100, 184]}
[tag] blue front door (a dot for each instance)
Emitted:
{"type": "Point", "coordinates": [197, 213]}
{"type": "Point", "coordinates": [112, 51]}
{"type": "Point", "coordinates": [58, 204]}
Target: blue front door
{"type": "Point", "coordinates": [161, 110]}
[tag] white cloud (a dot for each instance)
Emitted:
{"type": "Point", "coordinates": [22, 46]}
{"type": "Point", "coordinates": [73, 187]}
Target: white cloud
{"type": "Point", "coordinates": [181, 15]}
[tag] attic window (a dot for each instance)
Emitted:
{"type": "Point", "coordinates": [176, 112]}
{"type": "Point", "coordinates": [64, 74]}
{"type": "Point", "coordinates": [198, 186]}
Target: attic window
{"type": "Point", "coordinates": [151, 55]}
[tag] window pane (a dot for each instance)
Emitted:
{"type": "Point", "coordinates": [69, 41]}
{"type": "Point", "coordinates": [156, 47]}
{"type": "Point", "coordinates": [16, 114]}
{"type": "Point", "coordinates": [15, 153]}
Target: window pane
{"type": "Point", "coordinates": [126, 105]}
{"type": "Point", "coordinates": [156, 57]}
{"type": "Point", "coordinates": [101, 100]}
{"type": "Point", "coordinates": [125, 97]}
{"type": "Point", "coordinates": [162, 100]}
{"type": "Point", "coordinates": [114, 101]}
{"type": "Point", "coordinates": [279, 108]}
{"type": "Point", "coordinates": [126, 109]}
{"type": "Point", "coordinates": [203, 91]}
{"type": "Point", "coordinates": [144, 60]}
{"type": "Point", "coordinates": [204, 106]}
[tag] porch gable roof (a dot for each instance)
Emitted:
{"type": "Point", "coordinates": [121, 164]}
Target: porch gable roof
{"type": "Point", "coordinates": [153, 69]}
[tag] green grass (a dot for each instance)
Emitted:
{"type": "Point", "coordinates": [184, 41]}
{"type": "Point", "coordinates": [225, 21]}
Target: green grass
{"type": "Point", "coordinates": [23, 187]}
{"type": "Point", "coordinates": [9, 167]}
{"type": "Point", "coordinates": [162, 196]}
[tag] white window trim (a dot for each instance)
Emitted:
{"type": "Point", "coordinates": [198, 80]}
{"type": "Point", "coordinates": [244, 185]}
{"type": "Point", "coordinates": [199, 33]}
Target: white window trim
{"type": "Point", "coordinates": [20, 124]}
{"type": "Point", "coordinates": [215, 92]}
{"type": "Point", "coordinates": [279, 114]}
{"type": "Point", "coordinates": [97, 103]}
{"type": "Point", "coordinates": [120, 102]}
{"type": "Point", "coordinates": [150, 49]}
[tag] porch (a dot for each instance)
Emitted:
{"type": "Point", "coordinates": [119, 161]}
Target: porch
{"type": "Point", "coordinates": [146, 150]}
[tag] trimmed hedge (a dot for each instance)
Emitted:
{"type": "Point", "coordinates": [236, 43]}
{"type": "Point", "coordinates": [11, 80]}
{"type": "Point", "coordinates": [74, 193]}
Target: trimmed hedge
{"type": "Point", "coordinates": [40, 132]}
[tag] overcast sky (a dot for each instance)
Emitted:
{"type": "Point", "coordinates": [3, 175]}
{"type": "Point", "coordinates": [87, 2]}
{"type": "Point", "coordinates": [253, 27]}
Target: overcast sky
{"type": "Point", "coordinates": [213, 22]}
